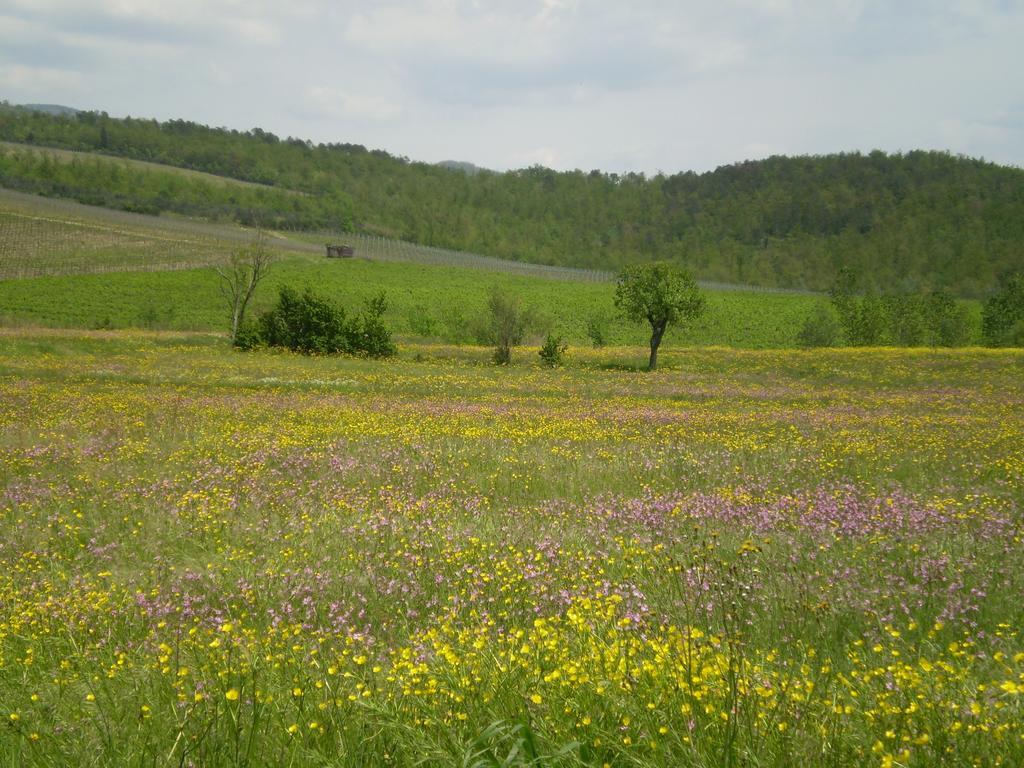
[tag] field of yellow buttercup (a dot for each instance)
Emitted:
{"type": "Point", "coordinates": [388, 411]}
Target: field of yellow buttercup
{"type": "Point", "coordinates": [747, 558]}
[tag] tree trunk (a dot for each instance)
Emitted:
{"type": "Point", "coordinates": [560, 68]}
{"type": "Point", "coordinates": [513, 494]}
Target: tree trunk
{"type": "Point", "coordinates": [656, 333]}
{"type": "Point", "coordinates": [235, 321]}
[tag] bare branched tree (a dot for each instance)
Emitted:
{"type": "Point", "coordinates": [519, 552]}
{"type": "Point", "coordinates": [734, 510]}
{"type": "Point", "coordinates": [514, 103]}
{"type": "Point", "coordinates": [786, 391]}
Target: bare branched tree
{"type": "Point", "coordinates": [240, 275]}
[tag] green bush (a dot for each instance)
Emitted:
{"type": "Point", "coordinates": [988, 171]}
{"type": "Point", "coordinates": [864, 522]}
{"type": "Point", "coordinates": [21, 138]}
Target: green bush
{"type": "Point", "coordinates": [948, 324]}
{"type": "Point", "coordinates": [820, 329]}
{"type": "Point", "coordinates": [597, 329]}
{"type": "Point", "coordinates": [249, 336]}
{"type": "Point", "coordinates": [553, 351]}
{"type": "Point", "coordinates": [306, 323]}
{"type": "Point", "coordinates": [369, 335]}
{"type": "Point", "coordinates": [1003, 315]}
{"type": "Point", "coordinates": [421, 322]}
{"type": "Point", "coordinates": [315, 325]}
{"type": "Point", "coordinates": [504, 325]}
{"type": "Point", "coordinates": [907, 322]}
{"type": "Point", "coordinates": [457, 329]}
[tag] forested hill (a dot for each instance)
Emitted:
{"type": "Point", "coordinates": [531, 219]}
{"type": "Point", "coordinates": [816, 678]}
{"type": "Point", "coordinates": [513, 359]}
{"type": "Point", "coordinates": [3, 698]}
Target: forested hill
{"type": "Point", "coordinates": [914, 220]}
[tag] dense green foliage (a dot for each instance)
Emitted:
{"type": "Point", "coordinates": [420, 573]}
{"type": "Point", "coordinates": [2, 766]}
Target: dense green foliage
{"type": "Point", "coordinates": [919, 221]}
{"type": "Point", "coordinates": [312, 324]}
{"type": "Point", "coordinates": [1003, 316]}
{"type": "Point", "coordinates": [820, 329]}
{"type": "Point", "coordinates": [903, 319]}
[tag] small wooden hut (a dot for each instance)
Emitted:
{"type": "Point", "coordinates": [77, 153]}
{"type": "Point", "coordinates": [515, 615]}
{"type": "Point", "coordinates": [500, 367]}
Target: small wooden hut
{"type": "Point", "coordinates": [340, 251]}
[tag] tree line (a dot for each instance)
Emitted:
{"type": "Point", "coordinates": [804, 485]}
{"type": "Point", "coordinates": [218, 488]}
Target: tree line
{"type": "Point", "coordinates": [919, 221]}
{"type": "Point", "coordinates": [658, 294]}
{"type": "Point", "coordinates": [863, 317]}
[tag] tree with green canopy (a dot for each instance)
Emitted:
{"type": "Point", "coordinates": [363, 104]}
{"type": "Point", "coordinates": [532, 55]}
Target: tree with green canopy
{"type": "Point", "coordinates": [661, 294]}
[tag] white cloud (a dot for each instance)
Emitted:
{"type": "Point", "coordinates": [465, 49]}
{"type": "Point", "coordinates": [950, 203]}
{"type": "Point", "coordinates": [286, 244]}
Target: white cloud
{"type": "Point", "coordinates": [257, 31]}
{"type": "Point", "coordinates": [335, 103]}
{"type": "Point", "coordinates": [646, 85]}
{"type": "Point", "coordinates": [494, 32]}
{"type": "Point", "coordinates": [38, 79]}
{"type": "Point", "coordinates": [545, 156]}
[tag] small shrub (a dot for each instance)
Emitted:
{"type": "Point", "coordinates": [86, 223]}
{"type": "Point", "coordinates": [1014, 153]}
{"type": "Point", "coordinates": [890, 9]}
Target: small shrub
{"type": "Point", "coordinates": [153, 317]}
{"type": "Point", "coordinates": [457, 330]}
{"type": "Point", "coordinates": [421, 322]}
{"type": "Point", "coordinates": [553, 351]}
{"type": "Point", "coordinates": [149, 317]}
{"type": "Point", "coordinates": [820, 329]}
{"type": "Point", "coordinates": [248, 336]}
{"type": "Point", "coordinates": [370, 336]}
{"type": "Point", "coordinates": [597, 330]}
{"type": "Point", "coordinates": [505, 324]}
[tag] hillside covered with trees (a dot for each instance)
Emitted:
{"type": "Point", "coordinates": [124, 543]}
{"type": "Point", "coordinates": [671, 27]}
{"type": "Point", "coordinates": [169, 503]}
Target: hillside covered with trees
{"type": "Point", "coordinates": [912, 221]}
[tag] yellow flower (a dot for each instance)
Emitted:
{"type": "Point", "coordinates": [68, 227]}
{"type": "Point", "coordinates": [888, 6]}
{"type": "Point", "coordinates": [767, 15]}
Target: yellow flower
{"type": "Point", "coordinates": [15, 717]}
{"type": "Point", "coordinates": [536, 698]}
{"type": "Point", "coordinates": [232, 694]}
{"type": "Point", "coordinates": [293, 728]}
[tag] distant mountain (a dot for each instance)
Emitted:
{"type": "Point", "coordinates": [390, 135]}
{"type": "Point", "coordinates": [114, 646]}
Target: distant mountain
{"type": "Point", "coordinates": [461, 165]}
{"type": "Point", "coordinates": [912, 221]}
{"type": "Point", "coordinates": [52, 109]}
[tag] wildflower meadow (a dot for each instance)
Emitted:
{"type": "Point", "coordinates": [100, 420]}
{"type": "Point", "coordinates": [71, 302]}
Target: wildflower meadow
{"type": "Point", "coordinates": [748, 558]}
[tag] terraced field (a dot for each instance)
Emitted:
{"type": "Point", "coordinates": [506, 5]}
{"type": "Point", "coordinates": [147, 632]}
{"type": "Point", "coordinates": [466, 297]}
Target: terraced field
{"type": "Point", "coordinates": [67, 156]}
{"type": "Point", "coordinates": [43, 236]}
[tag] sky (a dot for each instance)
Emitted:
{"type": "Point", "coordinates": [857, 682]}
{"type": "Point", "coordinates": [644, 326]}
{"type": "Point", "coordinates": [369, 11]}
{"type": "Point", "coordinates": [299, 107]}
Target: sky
{"type": "Point", "coordinates": [654, 86]}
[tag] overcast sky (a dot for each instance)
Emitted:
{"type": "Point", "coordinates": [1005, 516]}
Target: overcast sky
{"type": "Point", "coordinates": [615, 85]}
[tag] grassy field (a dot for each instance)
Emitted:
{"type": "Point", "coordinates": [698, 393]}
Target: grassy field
{"type": "Point", "coordinates": [762, 558]}
{"type": "Point", "coordinates": [445, 298]}
{"type": "Point", "coordinates": [69, 265]}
